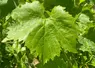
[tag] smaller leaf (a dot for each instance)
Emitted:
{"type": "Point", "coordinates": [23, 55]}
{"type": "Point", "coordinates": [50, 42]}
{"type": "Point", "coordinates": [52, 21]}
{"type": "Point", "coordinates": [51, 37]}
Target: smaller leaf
{"type": "Point", "coordinates": [84, 23]}
{"type": "Point", "coordinates": [87, 45]}
{"type": "Point", "coordinates": [93, 61]}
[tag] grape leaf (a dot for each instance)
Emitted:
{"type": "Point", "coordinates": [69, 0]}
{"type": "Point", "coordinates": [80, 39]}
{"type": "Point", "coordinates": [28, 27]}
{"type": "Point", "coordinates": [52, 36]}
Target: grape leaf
{"type": "Point", "coordinates": [43, 36]}
{"type": "Point", "coordinates": [84, 23]}
{"type": "Point", "coordinates": [87, 45]}
{"type": "Point", "coordinates": [26, 20]}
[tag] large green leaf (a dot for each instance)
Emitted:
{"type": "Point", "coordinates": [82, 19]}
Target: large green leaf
{"type": "Point", "coordinates": [43, 36]}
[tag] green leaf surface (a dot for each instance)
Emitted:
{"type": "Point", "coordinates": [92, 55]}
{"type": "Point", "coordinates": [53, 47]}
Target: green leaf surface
{"type": "Point", "coordinates": [25, 15]}
{"type": "Point", "coordinates": [93, 62]}
{"type": "Point", "coordinates": [58, 62]}
{"type": "Point", "coordinates": [81, 1]}
{"type": "Point", "coordinates": [2, 2]}
{"type": "Point", "coordinates": [87, 45]}
{"type": "Point", "coordinates": [43, 36]}
{"type": "Point", "coordinates": [84, 23]}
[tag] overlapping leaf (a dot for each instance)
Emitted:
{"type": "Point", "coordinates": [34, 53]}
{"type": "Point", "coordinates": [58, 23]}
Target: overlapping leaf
{"type": "Point", "coordinates": [43, 36]}
{"type": "Point", "coordinates": [84, 23]}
